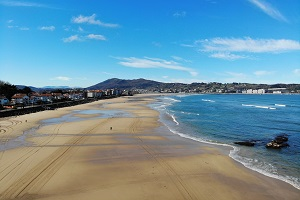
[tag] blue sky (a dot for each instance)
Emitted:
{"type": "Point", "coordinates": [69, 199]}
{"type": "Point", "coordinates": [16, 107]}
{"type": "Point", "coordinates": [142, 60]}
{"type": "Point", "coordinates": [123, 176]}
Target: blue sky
{"type": "Point", "coordinates": [84, 42]}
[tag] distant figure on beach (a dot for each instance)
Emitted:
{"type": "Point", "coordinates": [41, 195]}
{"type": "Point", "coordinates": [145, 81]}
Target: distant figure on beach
{"type": "Point", "coordinates": [110, 128]}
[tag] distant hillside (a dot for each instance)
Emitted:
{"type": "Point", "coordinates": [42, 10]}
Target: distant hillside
{"type": "Point", "coordinates": [31, 87]}
{"type": "Point", "coordinates": [35, 89]}
{"type": "Point", "coordinates": [125, 84]}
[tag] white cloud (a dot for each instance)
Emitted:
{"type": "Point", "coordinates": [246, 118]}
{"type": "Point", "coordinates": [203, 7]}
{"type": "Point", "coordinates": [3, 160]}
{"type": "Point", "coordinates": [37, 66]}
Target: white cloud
{"type": "Point", "coordinates": [96, 37]}
{"type": "Point", "coordinates": [61, 78]}
{"type": "Point", "coordinates": [227, 56]}
{"type": "Point", "coordinates": [223, 47]}
{"type": "Point", "coordinates": [47, 28]}
{"type": "Point", "coordinates": [92, 20]}
{"type": "Point", "coordinates": [10, 21]}
{"type": "Point", "coordinates": [179, 14]}
{"type": "Point", "coordinates": [180, 59]}
{"type": "Point", "coordinates": [22, 4]}
{"type": "Point", "coordinates": [147, 62]}
{"type": "Point", "coordinates": [79, 38]}
{"type": "Point", "coordinates": [107, 73]}
{"type": "Point", "coordinates": [297, 72]}
{"type": "Point", "coordinates": [80, 29]}
{"type": "Point", "coordinates": [268, 9]}
{"type": "Point", "coordinates": [72, 38]}
{"type": "Point", "coordinates": [263, 73]}
{"type": "Point", "coordinates": [248, 45]}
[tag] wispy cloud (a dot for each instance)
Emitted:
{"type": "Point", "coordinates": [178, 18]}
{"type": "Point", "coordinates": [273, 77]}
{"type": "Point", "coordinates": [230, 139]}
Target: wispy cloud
{"type": "Point", "coordinates": [80, 29]}
{"type": "Point", "coordinates": [22, 4]}
{"type": "Point", "coordinates": [96, 37]}
{"type": "Point", "coordinates": [297, 72]}
{"type": "Point", "coordinates": [235, 77]}
{"type": "Point", "coordinates": [263, 73]}
{"type": "Point", "coordinates": [249, 45]}
{"type": "Point", "coordinates": [268, 9]}
{"type": "Point", "coordinates": [147, 62]}
{"type": "Point", "coordinates": [72, 38]}
{"type": "Point", "coordinates": [227, 56]}
{"type": "Point", "coordinates": [92, 20]}
{"type": "Point", "coordinates": [61, 78]}
{"type": "Point", "coordinates": [107, 73]}
{"type": "Point", "coordinates": [24, 28]}
{"type": "Point", "coordinates": [79, 38]}
{"type": "Point", "coordinates": [157, 44]}
{"type": "Point", "coordinates": [235, 48]}
{"type": "Point", "coordinates": [180, 59]}
{"type": "Point", "coordinates": [47, 28]}
{"type": "Point", "coordinates": [179, 14]}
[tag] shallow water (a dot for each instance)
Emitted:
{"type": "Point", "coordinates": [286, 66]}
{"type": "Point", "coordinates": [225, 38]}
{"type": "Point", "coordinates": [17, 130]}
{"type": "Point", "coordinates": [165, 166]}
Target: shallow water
{"type": "Point", "coordinates": [23, 139]}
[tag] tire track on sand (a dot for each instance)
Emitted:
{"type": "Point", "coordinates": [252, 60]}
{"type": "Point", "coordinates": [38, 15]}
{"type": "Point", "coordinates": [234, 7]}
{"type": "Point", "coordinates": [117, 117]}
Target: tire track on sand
{"type": "Point", "coordinates": [185, 191]}
{"type": "Point", "coordinates": [39, 175]}
{"type": "Point", "coordinates": [26, 154]}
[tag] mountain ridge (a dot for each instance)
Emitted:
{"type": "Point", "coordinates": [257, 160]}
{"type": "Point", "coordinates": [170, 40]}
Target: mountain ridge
{"type": "Point", "coordinates": [125, 84]}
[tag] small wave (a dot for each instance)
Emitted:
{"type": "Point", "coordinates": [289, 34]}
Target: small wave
{"type": "Point", "coordinates": [248, 105]}
{"type": "Point", "coordinates": [263, 168]}
{"type": "Point", "coordinates": [258, 106]}
{"type": "Point", "coordinates": [173, 118]}
{"type": "Point", "coordinates": [280, 105]}
{"type": "Point", "coordinates": [208, 100]}
{"type": "Point", "coordinates": [183, 95]}
{"type": "Point", "coordinates": [172, 99]}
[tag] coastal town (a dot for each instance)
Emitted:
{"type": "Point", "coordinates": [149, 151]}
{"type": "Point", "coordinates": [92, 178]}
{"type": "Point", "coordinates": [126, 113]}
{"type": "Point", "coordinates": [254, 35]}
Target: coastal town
{"type": "Point", "coordinates": [12, 97]}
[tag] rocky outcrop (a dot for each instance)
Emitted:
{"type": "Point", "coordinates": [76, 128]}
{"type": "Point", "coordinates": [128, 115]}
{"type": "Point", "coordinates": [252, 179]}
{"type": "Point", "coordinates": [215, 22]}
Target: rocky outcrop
{"type": "Point", "coordinates": [279, 142]}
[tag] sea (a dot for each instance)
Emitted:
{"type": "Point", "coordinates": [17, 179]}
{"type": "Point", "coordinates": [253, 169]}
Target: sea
{"type": "Point", "coordinates": [223, 119]}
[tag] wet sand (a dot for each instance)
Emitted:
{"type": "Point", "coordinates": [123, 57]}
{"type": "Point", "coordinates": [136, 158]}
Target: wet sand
{"type": "Point", "coordinates": [126, 154]}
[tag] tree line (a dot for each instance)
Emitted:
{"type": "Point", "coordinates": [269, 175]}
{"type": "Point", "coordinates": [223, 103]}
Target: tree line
{"type": "Point", "coordinates": [8, 90]}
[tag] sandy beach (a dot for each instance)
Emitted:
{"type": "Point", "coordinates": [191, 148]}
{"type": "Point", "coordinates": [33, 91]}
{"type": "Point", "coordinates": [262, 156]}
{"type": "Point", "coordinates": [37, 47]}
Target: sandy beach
{"type": "Point", "coordinates": [121, 152]}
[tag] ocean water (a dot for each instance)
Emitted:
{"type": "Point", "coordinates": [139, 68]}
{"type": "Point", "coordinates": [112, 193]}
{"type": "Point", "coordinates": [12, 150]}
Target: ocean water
{"type": "Point", "coordinates": [225, 119]}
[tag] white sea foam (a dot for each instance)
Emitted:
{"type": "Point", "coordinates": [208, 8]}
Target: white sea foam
{"type": "Point", "coordinates": [280, 105]}
{"type": "Point", "coordinates": [259, 106]}
{"type": "Point", "coordinates": [172, 99]}
{"type": "Point", "coordinates": [248, 105]}
{"type": "Point", "coordinates": [263, 168]}
{"type": "Point", "coordinates": [208, 100]}
{"type": "Point", "coordinates": [173, 118]}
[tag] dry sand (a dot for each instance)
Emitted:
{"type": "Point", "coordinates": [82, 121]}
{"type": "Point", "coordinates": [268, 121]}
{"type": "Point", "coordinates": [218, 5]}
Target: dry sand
{"type": "Point", "coordinates": [121, 156]}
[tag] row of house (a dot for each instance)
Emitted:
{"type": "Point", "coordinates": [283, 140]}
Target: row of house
{"type": "Point", "coordinates": [101, 93]}
{"type": "Point", "coordinates": [35, 98]}
{"type": "Point", "coordinates": [251, 91]}
{"type": "Point", "coordinates": [263, 91]}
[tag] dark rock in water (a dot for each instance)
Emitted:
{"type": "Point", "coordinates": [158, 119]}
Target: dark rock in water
{"type": "Point", "coordinates": [275, 145]}
{"type": "Point", "coordinates": [246, 143]}
{"type": "Point", "coordinates": [278, 142]}
{"type": "Point", "coordinates": [281, 139]}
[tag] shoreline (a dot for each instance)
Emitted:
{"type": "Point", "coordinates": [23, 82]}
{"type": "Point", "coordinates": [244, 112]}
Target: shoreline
{"type": "Point", "coordinates": [134, 157]}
